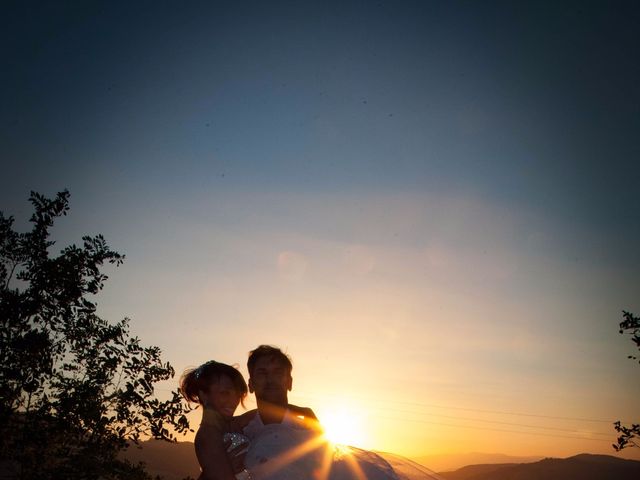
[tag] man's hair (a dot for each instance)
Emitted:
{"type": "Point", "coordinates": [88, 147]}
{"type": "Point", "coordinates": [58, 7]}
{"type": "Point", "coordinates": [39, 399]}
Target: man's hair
{"type": "Point", "coordinates": [268, 351]}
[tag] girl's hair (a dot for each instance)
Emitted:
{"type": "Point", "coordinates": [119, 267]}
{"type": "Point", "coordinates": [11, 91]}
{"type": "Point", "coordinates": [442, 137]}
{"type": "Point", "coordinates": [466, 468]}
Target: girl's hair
{"type": "Point", "coordinates": [199, 379]}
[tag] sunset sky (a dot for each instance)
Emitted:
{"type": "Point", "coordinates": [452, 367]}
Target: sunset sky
{"type": "Point", "coordinates": [431, 206]}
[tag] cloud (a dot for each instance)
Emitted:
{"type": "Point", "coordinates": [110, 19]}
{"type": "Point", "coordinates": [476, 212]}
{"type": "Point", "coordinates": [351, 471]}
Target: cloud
{"type": "Point", "coordinates": [292, 265]}
{"type": "Point", "coordinates": [359, 259]}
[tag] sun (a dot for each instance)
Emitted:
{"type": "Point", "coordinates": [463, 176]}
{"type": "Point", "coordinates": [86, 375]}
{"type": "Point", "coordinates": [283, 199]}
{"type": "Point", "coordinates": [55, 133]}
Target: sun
{"type": "Point", "coordinates": [342, 427]}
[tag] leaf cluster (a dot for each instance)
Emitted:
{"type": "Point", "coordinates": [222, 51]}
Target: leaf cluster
{"type": "Point", "coordinates": [75, 389]}
{"type": "Point", "coordinates": [630, 325]}
{"type": "Point", "coordinates": [628, 435]}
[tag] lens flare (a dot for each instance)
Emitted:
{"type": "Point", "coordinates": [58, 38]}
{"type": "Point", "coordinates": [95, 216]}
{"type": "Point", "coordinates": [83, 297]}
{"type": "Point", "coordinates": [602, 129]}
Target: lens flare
{"type": "Point", "coordinates": [342, 427]}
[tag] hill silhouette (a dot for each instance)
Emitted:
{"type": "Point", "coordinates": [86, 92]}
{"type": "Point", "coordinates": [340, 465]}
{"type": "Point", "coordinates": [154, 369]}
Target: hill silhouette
{"type": "Point", "coordinates": [580, 467]}
{"type": "Point", "coordinates": [449, 462]}
{"type": "Point", "coordinates": [172, 461]}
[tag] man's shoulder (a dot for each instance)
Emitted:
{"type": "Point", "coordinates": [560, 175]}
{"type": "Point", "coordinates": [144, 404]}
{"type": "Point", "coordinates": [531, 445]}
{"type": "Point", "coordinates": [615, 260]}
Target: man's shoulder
{"type": "Point", "coordinates": [304, 412]}
{"type": "Point", "coordinates": [304, 416]}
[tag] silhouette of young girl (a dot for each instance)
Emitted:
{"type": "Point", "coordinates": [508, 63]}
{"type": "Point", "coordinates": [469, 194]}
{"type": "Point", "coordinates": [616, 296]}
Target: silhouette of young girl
{"type": "Point", "coordinates": [218, 388]}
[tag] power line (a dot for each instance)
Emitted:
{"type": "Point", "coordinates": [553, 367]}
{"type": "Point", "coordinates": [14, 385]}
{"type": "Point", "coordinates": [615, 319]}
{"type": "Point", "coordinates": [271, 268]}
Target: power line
{"type": "Point", "coordinates": [495, 412]}
{"type": "Point", "coordinates": [496, 422]}
{"type": "Point", "coordinates": [495, 429]}
{"type": "Point", "coordinates": [500, 423]}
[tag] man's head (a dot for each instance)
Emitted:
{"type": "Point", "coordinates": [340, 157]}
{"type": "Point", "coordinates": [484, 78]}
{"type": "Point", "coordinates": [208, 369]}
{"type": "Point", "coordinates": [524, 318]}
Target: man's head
{"type": "Point", "coordinates": [270, 374]}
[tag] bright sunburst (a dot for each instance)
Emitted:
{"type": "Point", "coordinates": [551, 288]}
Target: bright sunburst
{"type": "Point", "coordinates": [342, 427]}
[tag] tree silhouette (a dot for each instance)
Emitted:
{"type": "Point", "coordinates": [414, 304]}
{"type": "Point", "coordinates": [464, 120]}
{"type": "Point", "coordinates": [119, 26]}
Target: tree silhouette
{"type": "Point", "coordinates": [75, 390]}
{"type": "Point", "coordinates": [629, 434]}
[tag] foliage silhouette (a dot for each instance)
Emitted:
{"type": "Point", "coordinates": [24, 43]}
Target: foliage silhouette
{"type": "Point", "coordinates": [75, 390]}
{"type": "Point", "coordinates": [629, 434]}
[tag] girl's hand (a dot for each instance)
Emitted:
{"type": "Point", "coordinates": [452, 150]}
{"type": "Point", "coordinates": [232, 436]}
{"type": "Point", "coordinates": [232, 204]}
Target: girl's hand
{"type": "Point", "coordinates": [236, 453]}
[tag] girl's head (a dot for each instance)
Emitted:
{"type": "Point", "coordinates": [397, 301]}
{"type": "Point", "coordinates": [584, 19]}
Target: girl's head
{"type": "Point", "coordinates": [214, 385]}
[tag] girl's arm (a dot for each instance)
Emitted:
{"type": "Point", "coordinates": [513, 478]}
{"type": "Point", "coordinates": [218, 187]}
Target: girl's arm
{"type": "Point", "coordinates": [212, 455]}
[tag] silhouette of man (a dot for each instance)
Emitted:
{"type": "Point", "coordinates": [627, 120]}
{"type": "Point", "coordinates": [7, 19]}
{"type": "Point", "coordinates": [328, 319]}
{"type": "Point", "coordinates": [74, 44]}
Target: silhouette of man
{"type": "Point", "coordinates": [270, 380]}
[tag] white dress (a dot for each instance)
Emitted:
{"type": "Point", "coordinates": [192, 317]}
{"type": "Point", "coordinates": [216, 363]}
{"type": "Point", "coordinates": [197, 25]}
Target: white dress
{"type": "Point", "coordinates": [289, 451]}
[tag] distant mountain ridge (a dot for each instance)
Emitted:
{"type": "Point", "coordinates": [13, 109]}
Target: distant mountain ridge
{"type": "Point", "coordinates": [449, 462]}
{"type": "Point", "coordinates": [580, 467]}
